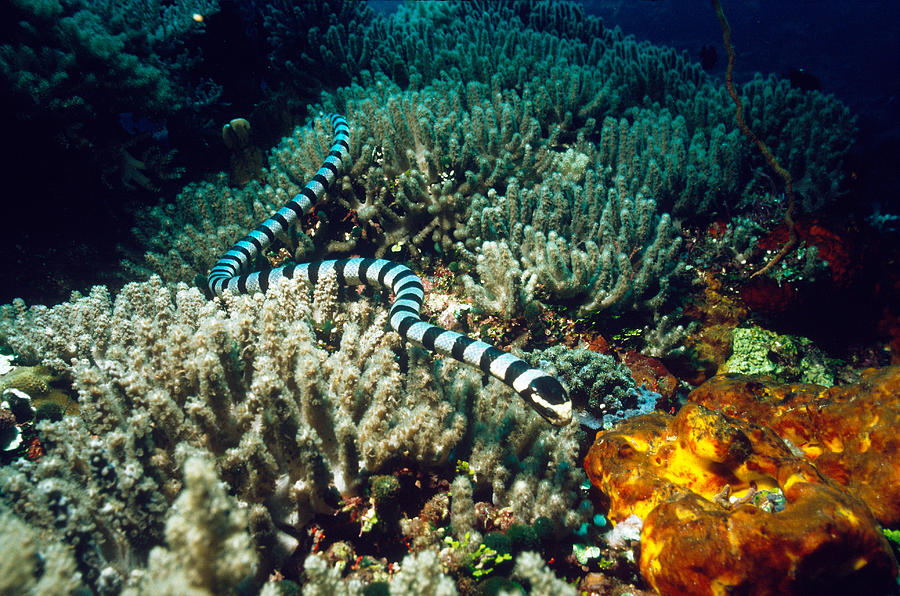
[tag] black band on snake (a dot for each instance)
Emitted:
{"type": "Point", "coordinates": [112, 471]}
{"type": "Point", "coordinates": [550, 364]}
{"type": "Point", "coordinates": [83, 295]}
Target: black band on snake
{"type": "Point", "coordinates": [541, 391]}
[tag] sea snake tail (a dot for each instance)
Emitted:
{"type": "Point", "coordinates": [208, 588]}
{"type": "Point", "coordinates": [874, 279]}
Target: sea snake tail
{"type": "Point", "coordinates": [541, 391]}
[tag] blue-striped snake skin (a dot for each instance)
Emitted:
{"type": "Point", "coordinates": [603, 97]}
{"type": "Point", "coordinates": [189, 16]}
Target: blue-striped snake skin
{"type": "Point", "coordinates": [541, 391]}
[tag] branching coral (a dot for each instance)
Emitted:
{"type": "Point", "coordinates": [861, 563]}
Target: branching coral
{"type": "Point", "coordinates": [296, 398]}
{"type": "Point", "coordinates": [593, 246]}
{"type": "Point", "coordinates": [553, 193]}
{"type": "Point", "coordinates": [209, 549]}
{"type": "Point", "coordinates": [30, 565]}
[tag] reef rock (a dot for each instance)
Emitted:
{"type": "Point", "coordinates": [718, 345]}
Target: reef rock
{"type": "Point", "coordinates": [728, 507]}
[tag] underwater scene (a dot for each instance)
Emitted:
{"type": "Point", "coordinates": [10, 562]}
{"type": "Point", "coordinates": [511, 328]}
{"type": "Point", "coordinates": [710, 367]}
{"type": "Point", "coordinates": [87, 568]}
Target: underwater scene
{"type": "Point", "coordinates": [476, 297]}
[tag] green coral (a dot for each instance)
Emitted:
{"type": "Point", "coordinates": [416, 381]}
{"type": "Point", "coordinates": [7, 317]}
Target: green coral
{"type": "Point", "coordinates": [584, 553]}
{"type": "Point", "coordinates": [49, 411]}
{"type": "Point", "coordinates": [384, 494]}
{"type": "Point", "coordinates": [34, 380]}
{"type": "Point", "coordinates": [593, 380]}
{"type": "Point", "coordinates": [384, 490]}
{"type": "Point", "coordinates": [463, 467]}
{"type": "Point", "coordinates": [787, 358]}
{"type": "Point", "coordinates": [480, 562]}
{"type": "Point", "coordinates": [893, 537]}
{"type": "Point", "coordinates": [523, 537]}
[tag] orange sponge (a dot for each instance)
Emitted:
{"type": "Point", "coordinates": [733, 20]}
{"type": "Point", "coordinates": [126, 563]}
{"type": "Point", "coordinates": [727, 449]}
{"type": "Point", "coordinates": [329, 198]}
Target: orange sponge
{"type": "Point", "coordinates": [692, 478]}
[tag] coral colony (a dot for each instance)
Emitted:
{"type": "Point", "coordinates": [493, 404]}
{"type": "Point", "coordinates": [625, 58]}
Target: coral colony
{"type": "Point", "coordinates": [459, 336]}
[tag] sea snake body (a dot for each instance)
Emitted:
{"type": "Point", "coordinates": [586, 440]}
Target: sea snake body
{"type": "Point", "coordinates": [541, 391]}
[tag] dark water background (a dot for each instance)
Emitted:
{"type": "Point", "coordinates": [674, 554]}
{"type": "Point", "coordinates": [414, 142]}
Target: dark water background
{"type": "Point", "coordinates": [853, 48]}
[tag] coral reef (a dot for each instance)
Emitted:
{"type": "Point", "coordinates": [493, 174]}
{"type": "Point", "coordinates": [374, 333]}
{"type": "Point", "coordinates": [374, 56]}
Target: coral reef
{"type": "Point", "coordinates": [548, 193]}
{"type": "Point", "coordinates": [603, 389]}
{"type": "Point", "coordinates": [549, 167]}
{"type": "Point", "coordinates": [597, 71]}
{"type": "Point", "coordinates": [292, 396]}
{"type": "Point", "coordinates": [833, 249]}
{"type": "Point", "coordinates": [651, 373]}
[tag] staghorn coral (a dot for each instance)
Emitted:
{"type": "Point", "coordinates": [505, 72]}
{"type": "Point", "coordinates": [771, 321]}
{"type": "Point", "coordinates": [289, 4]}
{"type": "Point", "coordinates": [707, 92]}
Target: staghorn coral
{"type": "Point", "coordinates": [315, 45]}
{"type": "Point", "coordinates": [462, 512]}
{"type": "Point", "coordinates": [531, 568]}
{"type": "Point", "coordinates": [421, 574]}
{"type": "Point", "coordinates": [415, 157]}
{"type": "Point", "coordinates": [322, 580]}
{"type": "Point", "coordinates": [535, 473]}
{"type": "Point", "coordinates": [422, 154]}
{"type": "Point", "coordinates": [593, 247]}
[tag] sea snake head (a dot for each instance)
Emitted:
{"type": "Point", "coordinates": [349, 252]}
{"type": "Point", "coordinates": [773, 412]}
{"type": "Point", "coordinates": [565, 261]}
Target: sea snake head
{"type": "Point", "coordinates": [547, 396]}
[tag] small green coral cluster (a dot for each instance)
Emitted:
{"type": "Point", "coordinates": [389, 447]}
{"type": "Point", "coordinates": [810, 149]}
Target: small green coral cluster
{"type": "Point", "coordinates": [595, 382]}
{"type": "Point", "coordinates": [788, 358]}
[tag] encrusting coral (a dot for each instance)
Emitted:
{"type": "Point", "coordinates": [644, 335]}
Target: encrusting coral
{"type": "Point", "coordinates": [784, 357]}
{"type": "Point", "coordinates": [33, 380]}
